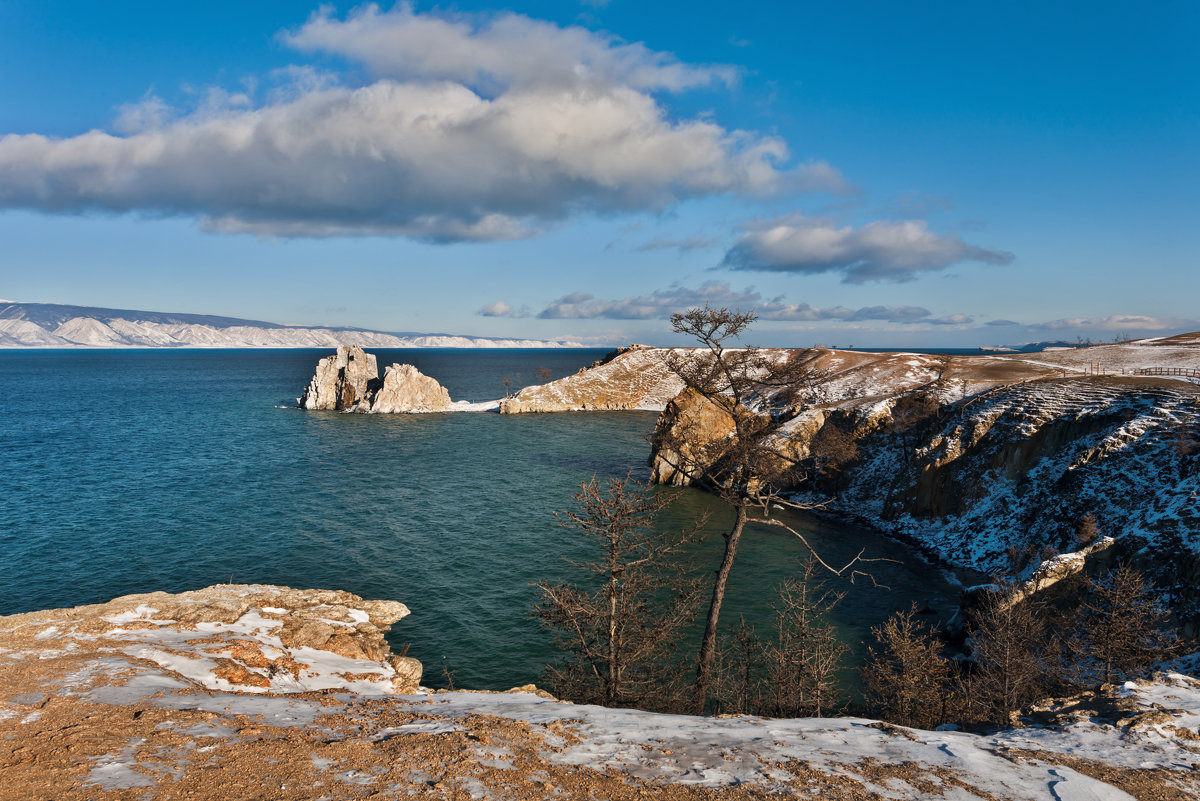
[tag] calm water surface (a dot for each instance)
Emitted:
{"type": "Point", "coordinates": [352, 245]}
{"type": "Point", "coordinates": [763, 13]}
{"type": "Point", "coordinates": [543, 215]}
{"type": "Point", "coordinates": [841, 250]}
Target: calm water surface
{"type": "Point", "coordinates": [133, 471]}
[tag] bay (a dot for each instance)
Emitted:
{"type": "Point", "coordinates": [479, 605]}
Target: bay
{"type": "Point", "coordinates": [135, 471]}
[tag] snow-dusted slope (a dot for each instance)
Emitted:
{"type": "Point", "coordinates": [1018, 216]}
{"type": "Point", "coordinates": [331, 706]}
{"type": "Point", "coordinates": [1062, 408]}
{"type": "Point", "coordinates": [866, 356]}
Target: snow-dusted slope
{"type": "Point", "coordinates": [1021, 466]}
{"type": "Point", "coordinates": [971, 456]}
{"type": "Point", "coordinates": [1181, 350]}
{"type": "Point", "coordinates": [46, 325]}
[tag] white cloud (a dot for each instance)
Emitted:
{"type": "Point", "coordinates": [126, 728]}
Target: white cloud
{"type": "Point", "coordinates": [1119, 322]}
{"type": "Point", "coordinates": [495, 53]}
{"type": "Point", "coordinates": [497, 309]}
{"type": "Point", "coordinates": [883, 250]}
{"type": "Point", "coordinates": [502, 309]}
{"type": "Point", "coordinates": [478, 128]}
{"type": "Point", "coordinates": [663, 303]}
{"type": "Point", "coordinates": [952, 319]}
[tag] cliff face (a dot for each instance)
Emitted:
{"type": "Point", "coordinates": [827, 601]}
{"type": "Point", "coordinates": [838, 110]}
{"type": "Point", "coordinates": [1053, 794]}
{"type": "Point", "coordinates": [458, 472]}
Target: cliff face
{"type": "Point", "coordinates": [1023, 465]}
{"type": "Point", "coordinates": [692, 422]}
{"type": "Point", "coordinates": [349, 381]}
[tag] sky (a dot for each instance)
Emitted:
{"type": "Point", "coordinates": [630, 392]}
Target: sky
{"type": "Point", "coordinates": [860, 173]}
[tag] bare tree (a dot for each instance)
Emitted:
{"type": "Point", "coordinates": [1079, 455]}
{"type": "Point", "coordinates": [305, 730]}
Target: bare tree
{"type": "Point", "coordinates": [802, 663]}
{"type": "Point", "coordinates": [833, 448]}
{"type": "Point", "coordinates": [1121, 629]}
{"type": "Point", "coordinates": [619, 634]}
{"type": "Point", "coordinates": [1010, 652]}
{"type": "Point", "coordinates": [907, 678]}
{"type": "Point", "coordinates": [754, 393]}
{"type": "Point", "coordinates": [543, 374]}
{"type": "Point", "coordinates": [739, 672]}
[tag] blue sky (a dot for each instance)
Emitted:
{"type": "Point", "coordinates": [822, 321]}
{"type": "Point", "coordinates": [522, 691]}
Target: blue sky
{"type": "Point", "coordinates": [861, 173]}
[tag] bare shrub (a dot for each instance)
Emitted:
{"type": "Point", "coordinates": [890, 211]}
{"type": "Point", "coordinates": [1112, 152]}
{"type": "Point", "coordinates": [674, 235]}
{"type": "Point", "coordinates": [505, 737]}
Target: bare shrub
{"type": "Point", "coordinates": [804, 660]}
{"type": "Point", "coordinates": [1086, 532]}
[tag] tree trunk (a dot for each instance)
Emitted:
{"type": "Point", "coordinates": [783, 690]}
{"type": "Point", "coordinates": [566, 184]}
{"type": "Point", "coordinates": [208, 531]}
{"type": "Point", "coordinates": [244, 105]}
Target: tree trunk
{"type": "Point", "coordinates": [614, 676]}
{"type": "Point", "coordinates": [708, 645]}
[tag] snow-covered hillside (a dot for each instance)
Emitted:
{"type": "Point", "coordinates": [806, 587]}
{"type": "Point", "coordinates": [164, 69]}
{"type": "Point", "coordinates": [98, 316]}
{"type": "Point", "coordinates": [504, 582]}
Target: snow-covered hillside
{"type": "Point", "coordinates": [48, 325]}
{"type": "Point", "coordinates": [1021, 466]}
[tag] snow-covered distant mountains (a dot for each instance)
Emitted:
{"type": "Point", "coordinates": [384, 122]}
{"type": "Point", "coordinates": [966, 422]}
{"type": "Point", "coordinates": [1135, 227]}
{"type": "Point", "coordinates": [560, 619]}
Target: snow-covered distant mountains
{"type": "Point", "coordinates": [53, 325]}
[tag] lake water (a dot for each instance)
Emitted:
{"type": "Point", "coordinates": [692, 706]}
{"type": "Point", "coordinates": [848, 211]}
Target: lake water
{"type": "Point", "coordinates": [133, 471]}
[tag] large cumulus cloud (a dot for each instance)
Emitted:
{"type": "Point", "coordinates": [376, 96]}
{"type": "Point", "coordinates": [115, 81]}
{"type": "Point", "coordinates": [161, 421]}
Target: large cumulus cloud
{"type": "Point", "coordinates": [882, 250]}
{"type": "Point", "coordinates": [471, 128]}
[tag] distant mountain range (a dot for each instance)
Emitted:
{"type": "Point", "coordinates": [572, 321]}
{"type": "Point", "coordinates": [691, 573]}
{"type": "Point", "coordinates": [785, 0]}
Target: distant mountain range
{"type": "Point", "coordinates": [54, 325]}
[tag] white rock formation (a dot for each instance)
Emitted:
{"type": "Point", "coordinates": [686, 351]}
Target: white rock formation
{"type": "Point", "coordinates": [342, 381]}
{"type": "Point", "coordinates": [407, 389]}
{"type": "Point", "coordinates": [349, 381]}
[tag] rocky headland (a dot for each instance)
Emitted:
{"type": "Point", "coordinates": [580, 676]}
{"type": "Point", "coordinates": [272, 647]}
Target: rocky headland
{"type": "Point", "coordinates": [633, 377]}
{"type": "Point", "coordinates": [240, 692]}
{"type": "Point", "coordinates": [973, 458]}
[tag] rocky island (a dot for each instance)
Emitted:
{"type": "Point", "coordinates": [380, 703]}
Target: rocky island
{"type": "Point", "coordinates": [349, 381]}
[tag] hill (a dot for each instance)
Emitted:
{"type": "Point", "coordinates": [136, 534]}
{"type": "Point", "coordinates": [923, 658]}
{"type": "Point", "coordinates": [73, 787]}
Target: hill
{"type": "Point", "coordinates": [54, 325]}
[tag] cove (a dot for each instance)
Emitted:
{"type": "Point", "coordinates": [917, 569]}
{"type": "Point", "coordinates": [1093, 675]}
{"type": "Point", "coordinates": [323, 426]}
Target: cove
{"type": "Point", "coordinates": [134, 471]}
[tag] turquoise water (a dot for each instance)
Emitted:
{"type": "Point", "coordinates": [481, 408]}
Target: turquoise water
{"type": "Point", "coordinates": [133, 471]}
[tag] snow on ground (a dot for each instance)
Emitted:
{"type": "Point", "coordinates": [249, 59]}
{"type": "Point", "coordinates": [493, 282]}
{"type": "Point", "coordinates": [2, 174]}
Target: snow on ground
{"type": "Point", "coordinates": [140, 706]}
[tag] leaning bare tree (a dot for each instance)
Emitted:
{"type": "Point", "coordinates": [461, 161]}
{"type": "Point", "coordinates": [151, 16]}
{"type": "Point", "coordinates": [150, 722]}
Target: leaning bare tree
{"type": "Point", "coordinates": [618, 629]}
{"type": "Point", "coordinates": [748, 394]}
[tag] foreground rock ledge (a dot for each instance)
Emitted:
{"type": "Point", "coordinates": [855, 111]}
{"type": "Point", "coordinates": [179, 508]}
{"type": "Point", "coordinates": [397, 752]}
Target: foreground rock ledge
{"type": "Point", "coordinates": [262, 692]}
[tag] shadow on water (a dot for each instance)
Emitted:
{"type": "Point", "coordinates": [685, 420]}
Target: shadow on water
{"type": "Point", "coordinates": [134, 471]}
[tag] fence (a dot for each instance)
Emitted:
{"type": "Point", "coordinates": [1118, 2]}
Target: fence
{"type": "Point", "coordinates": [1094, 369]}
{"type": "Point", "coordinates": [1168, 371]}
